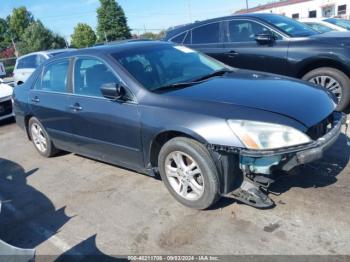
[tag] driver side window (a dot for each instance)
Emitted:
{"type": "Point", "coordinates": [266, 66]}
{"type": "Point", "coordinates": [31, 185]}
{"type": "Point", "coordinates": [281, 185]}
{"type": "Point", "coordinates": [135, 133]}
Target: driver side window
{"type": "Point", "coordinates": [89, 75]}
{"type": "Point", "coordinates": [245, 31]}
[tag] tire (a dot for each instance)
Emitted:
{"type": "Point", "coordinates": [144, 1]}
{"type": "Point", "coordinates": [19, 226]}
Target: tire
{"type": "Point", "coordinates": [49, 150]}
{"type": "Point", "coordinates": [328, 72]}
{"type": "Point", "coordinates": [202, 186]}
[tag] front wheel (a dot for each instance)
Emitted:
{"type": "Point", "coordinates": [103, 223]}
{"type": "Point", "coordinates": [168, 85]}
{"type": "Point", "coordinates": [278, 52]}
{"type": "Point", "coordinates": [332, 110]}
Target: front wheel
{"type": "Point", "coordinates": [189, 173]}
{"type": "Point", "coordinates": [335, 81]}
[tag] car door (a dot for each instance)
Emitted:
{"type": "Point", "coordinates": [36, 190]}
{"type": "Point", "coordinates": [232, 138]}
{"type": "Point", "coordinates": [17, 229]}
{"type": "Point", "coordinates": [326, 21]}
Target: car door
{"type": "Point", "coordinates": [103, 128]}
{"type": "Point", "coordinates": [243, 51]}
{"type": "Point", "coordinates": [48, 101]}
{"type": "Point", "coordinates": [207, 38]}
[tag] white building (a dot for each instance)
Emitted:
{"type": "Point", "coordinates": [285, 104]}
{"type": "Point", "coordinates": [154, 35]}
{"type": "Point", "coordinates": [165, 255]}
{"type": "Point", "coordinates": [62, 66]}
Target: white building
{"type": "Point", "coordinates": [304, 8]}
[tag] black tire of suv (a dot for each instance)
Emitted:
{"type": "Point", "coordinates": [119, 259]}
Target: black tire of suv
{"type": "Point", "coordinates": [206, 164]}
{"type": "Point", "coordinates": [338, 75]}
{"type": "Point", "coordinates": [51, 150]}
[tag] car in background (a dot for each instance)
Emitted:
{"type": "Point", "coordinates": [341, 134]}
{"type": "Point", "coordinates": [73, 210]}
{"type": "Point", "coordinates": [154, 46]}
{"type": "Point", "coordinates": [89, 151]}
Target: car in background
{"type": "Point", "coordinates": [6, 109]}
{"type": "Point", "coordinates": [321, 25]}
{"type": "Point", "coordinates": [275, 44]}
{"type": "Point", "coordinates": [208, 129]}
{"type": "Point", "coordinates": [343, 23]}
{"type": "Point", "coordinates": [26, 65]}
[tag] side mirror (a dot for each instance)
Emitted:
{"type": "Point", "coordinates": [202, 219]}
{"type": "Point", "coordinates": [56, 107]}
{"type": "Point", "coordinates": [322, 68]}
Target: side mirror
{"type": "Point", "coordinates": [264, 38]}
{"type": "Point", "coordinates": [112, 91]}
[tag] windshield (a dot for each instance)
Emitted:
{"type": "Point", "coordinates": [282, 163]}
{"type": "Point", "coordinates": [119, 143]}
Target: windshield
{"type": "Point", "coordinates": [339, 22]}
{"type": "Point", "coordinates": [290, 27]}
{"type": "Point", "coordinates": [159, 66]}
{"type": "Point", "coordinates": [319, 27]}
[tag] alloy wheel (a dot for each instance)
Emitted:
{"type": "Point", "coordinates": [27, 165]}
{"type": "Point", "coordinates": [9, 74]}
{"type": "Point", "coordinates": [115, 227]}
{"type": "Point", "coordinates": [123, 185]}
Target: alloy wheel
{"type": "Point", "coordinates": [330, 83]}
{"type": "Point", "coordinates": [39, 137]}
{"type": "Point", "coordinates": [184, 175]}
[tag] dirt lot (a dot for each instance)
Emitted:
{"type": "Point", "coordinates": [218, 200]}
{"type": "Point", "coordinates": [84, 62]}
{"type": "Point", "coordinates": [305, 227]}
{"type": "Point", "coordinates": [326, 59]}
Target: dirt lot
{"type": "Point", "coordinates": [74, 205]}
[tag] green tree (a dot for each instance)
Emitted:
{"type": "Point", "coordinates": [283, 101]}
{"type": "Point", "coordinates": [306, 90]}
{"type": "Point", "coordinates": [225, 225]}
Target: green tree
{"type": "Point", "coordinates": [18, 21]}
{"type": "Point", "coordinates": [154, 36]}
{"type": "Point", "coordinates": [5, 40]}
{"type": "Point", "coordinates": [36, 38]}
{"type": "Point", "coordinates": [112, 22]}
{"type": "Point", "coordinates": [83, 36]}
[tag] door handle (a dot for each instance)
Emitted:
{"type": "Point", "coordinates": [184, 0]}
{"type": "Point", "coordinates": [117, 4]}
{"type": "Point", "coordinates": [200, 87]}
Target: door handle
{"type": "Point", "coordinates": [76, 107]}
{"type": "Point", "coordinates": [232, 53]}
{"type": "Point", "coordinates": [35, 99]}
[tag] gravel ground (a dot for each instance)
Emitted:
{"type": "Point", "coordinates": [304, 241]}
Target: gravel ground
{"type": "Point", "coordinates": [73, 205]}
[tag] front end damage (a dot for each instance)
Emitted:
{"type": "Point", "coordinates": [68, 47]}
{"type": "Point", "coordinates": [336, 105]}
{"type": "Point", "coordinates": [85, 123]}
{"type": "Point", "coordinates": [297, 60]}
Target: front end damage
{"type": "Point", "coordinates": [261, 168]}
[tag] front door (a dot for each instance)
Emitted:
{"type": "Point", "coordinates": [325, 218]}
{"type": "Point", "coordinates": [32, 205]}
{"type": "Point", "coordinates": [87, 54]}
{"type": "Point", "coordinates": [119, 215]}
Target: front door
{"type": "Point", "coordinates": [104, 129]}
{"type": "Point", "coordinates": [243, 51]}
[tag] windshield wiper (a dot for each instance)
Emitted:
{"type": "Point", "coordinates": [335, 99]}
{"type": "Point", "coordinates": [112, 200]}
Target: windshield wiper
{"type": "Point", "coordinates": [220, 72]}
{"type": "Point", "coordinates": [191, 83]}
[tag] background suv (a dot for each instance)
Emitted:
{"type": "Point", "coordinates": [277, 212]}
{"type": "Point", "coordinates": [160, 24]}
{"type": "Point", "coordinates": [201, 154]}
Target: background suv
{"type": "Point", "coordinates": [26, 65]}
{"type": "Point", "coordinates": [275, 44]}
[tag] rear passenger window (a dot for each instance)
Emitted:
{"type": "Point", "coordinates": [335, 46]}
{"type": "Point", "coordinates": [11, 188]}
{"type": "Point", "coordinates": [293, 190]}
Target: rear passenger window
{"type": "Point", "coordinates": [207, 34]}
{"type": "Point", "coordinates": [89, 75]}
{"type": "Point", "coordinates": [27, 62]}
{"type": "Point", "coordinates": [55, 77]}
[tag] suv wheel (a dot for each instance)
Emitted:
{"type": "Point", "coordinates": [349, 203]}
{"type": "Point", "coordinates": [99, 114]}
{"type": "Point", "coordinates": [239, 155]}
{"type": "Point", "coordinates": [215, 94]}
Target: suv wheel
{"type": "Point", "coordinates": [41, 138]}
{"type": "Point", "coordinates": [189, 173]}
{"type": "Point", "coordinates": [335, 81]}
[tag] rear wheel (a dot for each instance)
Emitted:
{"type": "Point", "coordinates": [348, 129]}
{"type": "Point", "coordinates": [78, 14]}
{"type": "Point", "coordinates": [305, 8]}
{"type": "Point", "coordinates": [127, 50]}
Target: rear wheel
{"type": "Point", "coordinates": [189, 173]}
{"type": "Point", "coordinates": [41, 138]}
{"type": "Point", "coordinates": [335, 81]}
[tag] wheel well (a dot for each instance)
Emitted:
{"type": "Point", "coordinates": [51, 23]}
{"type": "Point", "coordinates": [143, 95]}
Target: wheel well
{"type": "Point", "coordinates": [159, 141]}
{"type": "Point", "coordinates": [26, 122]}
{"type": "Point", "coordinates": [323, 63]}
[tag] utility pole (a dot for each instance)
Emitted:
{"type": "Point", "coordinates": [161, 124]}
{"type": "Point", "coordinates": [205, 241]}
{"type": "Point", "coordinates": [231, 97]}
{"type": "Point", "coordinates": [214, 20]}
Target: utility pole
{"type": "Point", "coordinates": [189, 10]}
{"type": "Point", "coordinates": [246, 4]}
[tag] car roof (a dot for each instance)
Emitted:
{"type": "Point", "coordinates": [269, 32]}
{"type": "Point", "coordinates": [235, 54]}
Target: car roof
{"type": "Point", "coordinates": [48, 52]}
{"type": "Point", "coordinates": [110, 48]}
{"type": "Point", "coordinates": [179, 29]}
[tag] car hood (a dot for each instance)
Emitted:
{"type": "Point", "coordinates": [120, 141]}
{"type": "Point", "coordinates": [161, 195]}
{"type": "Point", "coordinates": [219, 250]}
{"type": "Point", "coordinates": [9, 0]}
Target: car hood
{"type": "Point", "coordinates": [5, 90]}
{"type": "Point", "coordinates": [303, 102]}
{"type": "Point", "coordinates": [334, 38]}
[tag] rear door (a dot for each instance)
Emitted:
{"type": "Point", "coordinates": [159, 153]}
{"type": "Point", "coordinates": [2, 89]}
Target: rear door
{"type": "Point", "coordinates": [243, 51]}
{"type": "Point", "coordinates": [104, 129]}
{"type": "Point", "coordinates": [208, 39]}
{"type": "Point", "coordinates": [48, 100]}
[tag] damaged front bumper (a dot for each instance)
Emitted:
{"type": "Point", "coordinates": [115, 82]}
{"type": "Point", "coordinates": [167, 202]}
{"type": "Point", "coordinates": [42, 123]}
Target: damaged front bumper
{"type": "Point", "coordinates": [264, 161]}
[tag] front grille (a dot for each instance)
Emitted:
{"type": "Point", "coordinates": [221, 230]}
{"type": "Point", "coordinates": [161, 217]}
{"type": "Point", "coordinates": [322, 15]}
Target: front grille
{"type": "Point", "coordinates": [320, 129]}
{"type": "Point", "coordinates": [5, 108]}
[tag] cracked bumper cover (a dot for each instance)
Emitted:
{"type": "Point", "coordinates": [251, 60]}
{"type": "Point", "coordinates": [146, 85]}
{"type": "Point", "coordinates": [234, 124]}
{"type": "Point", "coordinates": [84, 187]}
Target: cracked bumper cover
{"type": "Point", "coordinates": [297, 155]}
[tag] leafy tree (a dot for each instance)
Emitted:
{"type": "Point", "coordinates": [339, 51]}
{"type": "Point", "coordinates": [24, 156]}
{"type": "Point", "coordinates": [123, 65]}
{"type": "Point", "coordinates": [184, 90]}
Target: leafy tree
{"type": "Point", "coordinates": [36, 38]}
{"type": "Point", "coordinates": [19, 20]}
{"type": "Point", "coordinates": [112, 22]}
{"type": "Point", "coordinates": [83, 36]}
{"type": "Point", "coordinates": [5, 40]}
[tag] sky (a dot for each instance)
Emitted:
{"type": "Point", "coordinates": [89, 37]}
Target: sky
{"type": "Point", "coordinates": [61, 16]}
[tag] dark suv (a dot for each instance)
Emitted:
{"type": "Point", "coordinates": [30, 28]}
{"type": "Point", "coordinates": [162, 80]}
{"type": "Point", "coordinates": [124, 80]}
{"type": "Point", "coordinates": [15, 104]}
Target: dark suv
{"type": "Point", "coordinates": [275, 44]}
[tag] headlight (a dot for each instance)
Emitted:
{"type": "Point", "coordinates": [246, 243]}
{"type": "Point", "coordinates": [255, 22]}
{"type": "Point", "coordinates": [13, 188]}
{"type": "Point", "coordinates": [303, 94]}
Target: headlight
{"type": "Point", "coordinates": [260, 135]}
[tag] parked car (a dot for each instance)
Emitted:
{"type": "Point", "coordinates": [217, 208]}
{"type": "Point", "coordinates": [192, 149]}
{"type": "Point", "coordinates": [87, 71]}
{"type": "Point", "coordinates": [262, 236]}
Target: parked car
{"type": "Point", "coordinates": [26, 65]}
{"type": "Point", "coordinates": [321, 25]}
{"type": "Point", "coordinates": [339, 22]}
{"type": "Point", "coordinates": [207, 128]}
{"type": "Point", "coordinates": [275, 44]}
{"type": "Point", "coordinates": [5, 100]}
